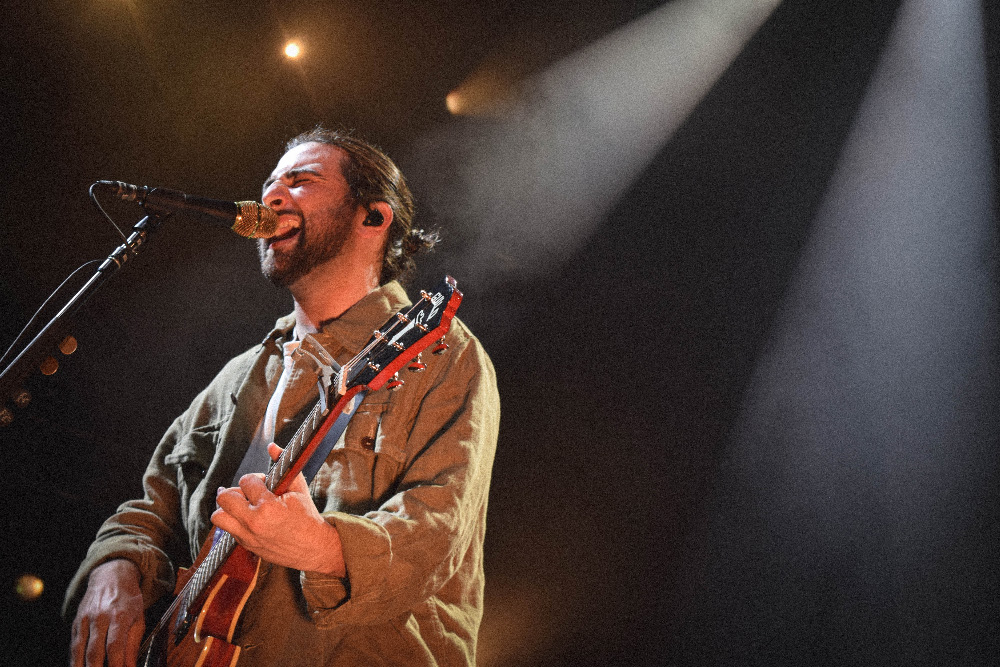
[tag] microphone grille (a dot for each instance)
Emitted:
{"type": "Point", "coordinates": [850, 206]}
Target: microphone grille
{"type": "Point", "coordinates": [254, 220]}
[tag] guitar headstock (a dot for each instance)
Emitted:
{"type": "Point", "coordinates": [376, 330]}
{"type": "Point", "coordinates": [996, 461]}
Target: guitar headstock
{"type": "Point", "coordinates": [405, 335]}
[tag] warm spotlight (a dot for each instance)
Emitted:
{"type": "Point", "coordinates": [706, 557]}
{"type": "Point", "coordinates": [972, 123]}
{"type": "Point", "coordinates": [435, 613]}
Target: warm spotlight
{"type": "Point", "coordinates": [562, 145]}
{"type": "Point", "coordinates": [28, 587]}
{"type": "Point", "coordinates": [293, 50]}
{"type": "Point", "coordinates": [490, 91]}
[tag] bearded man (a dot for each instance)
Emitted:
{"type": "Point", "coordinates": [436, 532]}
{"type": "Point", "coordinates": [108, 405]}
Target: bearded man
{"type": "Point", "coordinates": [379, 560]}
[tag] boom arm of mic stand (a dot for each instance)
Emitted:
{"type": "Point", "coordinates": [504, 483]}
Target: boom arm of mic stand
{"type": "Point", "coordinates": [45, 343]}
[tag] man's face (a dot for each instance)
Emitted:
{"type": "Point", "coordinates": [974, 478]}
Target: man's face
{"type": "Point", "coordinates": [308, 192]}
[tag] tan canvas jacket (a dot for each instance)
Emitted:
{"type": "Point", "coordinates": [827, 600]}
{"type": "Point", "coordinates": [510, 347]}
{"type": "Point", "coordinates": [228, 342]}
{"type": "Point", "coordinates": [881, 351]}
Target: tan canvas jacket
{"type": "Point", "coordinates": [406, 488]}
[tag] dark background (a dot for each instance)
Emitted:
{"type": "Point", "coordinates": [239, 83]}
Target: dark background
{"type": "Point", "coordinates": [621, 370]}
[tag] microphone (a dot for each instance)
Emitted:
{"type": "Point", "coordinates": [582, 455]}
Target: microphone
{"type": "Point", "coordinates": [246, 218]}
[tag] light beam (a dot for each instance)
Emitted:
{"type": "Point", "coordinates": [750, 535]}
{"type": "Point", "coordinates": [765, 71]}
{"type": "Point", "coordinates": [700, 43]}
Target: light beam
{"type": "Point", "coordinates": [868, 434]}
{"type": "Point", "coordinates": [527, 190]}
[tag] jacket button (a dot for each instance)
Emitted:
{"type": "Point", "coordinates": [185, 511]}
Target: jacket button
{"type": "Point", "coordinates": [368, 443]}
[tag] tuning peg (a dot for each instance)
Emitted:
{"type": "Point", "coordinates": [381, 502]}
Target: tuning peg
{"type": "Point", "coordinates": [417, 364]}
{"type": "Point", "coordinates": [440, 347]}
{"type": "Point", "coordinates": [394, 383]}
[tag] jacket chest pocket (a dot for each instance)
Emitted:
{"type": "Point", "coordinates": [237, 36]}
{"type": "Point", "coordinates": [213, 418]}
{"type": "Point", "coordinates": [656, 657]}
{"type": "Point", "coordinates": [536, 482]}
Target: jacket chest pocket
{"type": "Point", "coordinates": [360, 471]}
{"type": "Point", "coordinates": [192, 457]}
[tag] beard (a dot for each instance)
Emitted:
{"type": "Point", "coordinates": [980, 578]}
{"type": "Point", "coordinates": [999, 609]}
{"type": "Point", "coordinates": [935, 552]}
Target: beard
{"type": "Point", "coordinates": [320, 239]}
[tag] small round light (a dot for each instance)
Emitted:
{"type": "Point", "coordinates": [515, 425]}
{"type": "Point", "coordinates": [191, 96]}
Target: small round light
{"type": "Point", "coordinates": [453, 101]}
{"type": "Point", "coordinates": [28, 587]}
{"type": "Point", "coordinates": [293, 50]}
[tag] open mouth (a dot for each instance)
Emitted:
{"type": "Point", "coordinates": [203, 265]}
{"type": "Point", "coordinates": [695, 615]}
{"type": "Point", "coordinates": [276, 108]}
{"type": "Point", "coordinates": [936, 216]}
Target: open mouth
{"type": "Point", "coordinates": [289, 233]}
{"type": "Point", "coordinates": [285, 236]}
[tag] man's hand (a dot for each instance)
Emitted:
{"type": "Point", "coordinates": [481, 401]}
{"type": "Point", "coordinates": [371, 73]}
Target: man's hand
{"type": "Point", "coordinates": [285, 530]}
{"type": "Point", "coordinates": [110, 619]}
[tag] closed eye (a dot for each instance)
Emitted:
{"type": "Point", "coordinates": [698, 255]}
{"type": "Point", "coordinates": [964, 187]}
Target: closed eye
{"type": "Point", "coordinates": [294, 178]}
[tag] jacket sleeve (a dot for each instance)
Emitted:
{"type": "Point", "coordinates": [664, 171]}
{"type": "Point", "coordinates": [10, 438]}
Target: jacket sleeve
{"type": "Point", "coordinates": [155, 532]}
{"type": "Point", "coordinates": [142, 531]}
{"type": "Point", "coordinates": [431, 528]}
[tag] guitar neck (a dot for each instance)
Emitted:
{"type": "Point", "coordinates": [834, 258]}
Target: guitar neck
{"type": "Point", "coordinates": [283, 466]}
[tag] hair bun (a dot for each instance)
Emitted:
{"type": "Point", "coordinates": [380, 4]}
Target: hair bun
{"type": "Point", "coordinates": [419, 240]}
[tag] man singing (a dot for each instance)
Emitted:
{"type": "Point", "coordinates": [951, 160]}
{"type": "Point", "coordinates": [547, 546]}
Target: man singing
{"type": "Point", "coordinates": [379, 560]}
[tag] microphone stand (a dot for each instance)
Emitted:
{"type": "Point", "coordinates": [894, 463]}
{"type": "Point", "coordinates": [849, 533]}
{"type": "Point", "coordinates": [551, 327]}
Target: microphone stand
{"type": "Point", "coordinates": [52, 334]}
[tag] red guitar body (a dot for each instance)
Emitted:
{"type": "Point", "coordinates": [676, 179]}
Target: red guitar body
{"type": "Point", "coordinates": [207, 642]}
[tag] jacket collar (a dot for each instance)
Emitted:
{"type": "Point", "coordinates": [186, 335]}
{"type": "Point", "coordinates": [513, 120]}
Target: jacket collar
{"type": "Point", "coordinates": [344, 336]}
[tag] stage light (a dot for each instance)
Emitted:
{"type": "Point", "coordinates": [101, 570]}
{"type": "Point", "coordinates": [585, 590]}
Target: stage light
{"type": "Point", "coordinates": [555, 151]}
{"type": "Point", "coordinates": [489, 91]}
{"type": "Point", "coordinates": [28, 587]}
{"type": "Point", "coordinates": [293, 50]}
